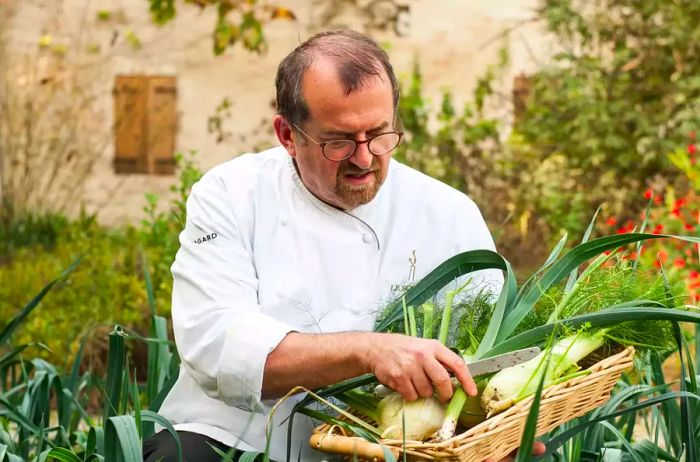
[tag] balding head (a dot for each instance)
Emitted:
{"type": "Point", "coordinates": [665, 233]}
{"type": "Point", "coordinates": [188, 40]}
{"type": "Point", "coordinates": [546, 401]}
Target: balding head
{"type": "Point", "coordinates": [357, 59]}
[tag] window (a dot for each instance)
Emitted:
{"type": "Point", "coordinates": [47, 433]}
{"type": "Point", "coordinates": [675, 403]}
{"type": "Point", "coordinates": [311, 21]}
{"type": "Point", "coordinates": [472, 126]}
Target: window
{"type": "Point", "coordinates": [145, 124]}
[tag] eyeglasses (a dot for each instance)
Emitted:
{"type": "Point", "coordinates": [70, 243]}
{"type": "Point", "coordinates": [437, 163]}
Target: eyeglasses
{"type": "Point", "coordinates": [339, 150]}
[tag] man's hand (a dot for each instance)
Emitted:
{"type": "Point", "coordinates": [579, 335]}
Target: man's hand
{"type": "Point", "coordinates": [538, 449]}
{"type": "Point", "coordinates": [414, 367]}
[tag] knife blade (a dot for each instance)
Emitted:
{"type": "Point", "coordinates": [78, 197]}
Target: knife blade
{"type": "Point", "coordinates": [496, 363]}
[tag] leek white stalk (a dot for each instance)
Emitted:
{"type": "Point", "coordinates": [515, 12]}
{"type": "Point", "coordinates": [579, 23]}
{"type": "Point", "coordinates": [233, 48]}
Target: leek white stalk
{"type": "Point", "coordinates": [463, 409]}
{"type": "Point", "coordinates": [514, 383]}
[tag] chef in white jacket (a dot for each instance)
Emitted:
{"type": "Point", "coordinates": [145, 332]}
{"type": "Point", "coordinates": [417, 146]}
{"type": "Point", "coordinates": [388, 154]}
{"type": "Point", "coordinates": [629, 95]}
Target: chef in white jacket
{"type": "Point", "coordinates": [288, 255]}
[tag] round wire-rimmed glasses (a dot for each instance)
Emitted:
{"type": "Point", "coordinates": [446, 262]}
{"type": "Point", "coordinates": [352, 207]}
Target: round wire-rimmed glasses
{"type": "Point", "coordinates": [339, 150]}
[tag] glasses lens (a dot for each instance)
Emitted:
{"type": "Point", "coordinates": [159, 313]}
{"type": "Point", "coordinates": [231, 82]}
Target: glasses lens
{"type": "Point", "coordinates": [381, 144]}
{"type": "Point", "coordinates": [339, 150]}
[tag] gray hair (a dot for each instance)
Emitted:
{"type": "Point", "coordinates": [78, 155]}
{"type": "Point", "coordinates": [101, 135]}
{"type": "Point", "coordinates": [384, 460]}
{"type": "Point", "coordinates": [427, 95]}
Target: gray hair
{"type": "Point", "coordinates": [358, 59]}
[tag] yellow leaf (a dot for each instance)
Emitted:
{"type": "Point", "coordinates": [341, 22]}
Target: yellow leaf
{"type": "Point", "coordinates": [283, 13]}
{"type": "Point", "coordinates": [45, 40]}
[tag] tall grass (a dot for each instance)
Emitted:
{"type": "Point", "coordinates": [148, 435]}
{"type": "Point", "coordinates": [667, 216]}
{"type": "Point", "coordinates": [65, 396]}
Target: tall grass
{"type": "Point", "coordinates": [44, 413]}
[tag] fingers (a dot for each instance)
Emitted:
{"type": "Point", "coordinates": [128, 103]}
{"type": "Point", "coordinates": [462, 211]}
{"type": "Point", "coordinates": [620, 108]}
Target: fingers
{"type": "Point", "coordinates": [440, 379]}
{"type": "Point", "coordinates": [422, 384]}
{"type": "Point", "coordinates": [455, 363]}
{"type": "Point", "coordinates": [419, 368]}
{"type": "Point", "coordinates": [538, 448]}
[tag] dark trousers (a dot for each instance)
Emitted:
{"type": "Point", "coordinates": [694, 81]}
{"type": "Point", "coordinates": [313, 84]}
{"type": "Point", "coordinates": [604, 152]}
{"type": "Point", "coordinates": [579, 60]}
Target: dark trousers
{"type": "Point", "coordinates": [195, 448]}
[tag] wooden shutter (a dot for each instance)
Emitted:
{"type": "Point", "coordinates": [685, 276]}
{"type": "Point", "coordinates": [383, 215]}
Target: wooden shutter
{"type": "Point", "coordinates": [145, 124]}
{"type": "Point", "coordinates": [162, 124]}
{"type": "Point", "coordinates": [130, 95]}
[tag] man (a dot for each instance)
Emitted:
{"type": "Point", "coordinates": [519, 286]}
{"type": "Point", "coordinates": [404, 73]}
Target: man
{"type": "Point", "coordinates": [288, 256]}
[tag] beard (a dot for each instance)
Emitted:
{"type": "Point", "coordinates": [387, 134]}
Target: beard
{"type": "Point", "coordinates": [356, 195]}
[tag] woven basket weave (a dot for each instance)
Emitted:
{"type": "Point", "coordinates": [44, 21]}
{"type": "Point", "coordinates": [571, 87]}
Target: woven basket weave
{"type": "Point", "coordinates": [498, 436]}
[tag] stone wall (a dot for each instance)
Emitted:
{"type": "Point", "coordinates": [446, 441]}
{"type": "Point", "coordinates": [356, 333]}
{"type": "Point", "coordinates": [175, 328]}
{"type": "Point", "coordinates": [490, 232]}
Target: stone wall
{"type": "Point", "coordinates": [453, 40]}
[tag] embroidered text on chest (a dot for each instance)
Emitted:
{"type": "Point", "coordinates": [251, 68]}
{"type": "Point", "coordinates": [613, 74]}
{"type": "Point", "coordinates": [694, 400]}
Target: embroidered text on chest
{"type": "Point", "coordinates": [208, 237]}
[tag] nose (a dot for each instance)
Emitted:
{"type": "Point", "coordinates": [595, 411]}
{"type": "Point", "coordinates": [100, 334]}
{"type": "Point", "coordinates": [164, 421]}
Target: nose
{"type": "Point", "coordinates": [362, 158]}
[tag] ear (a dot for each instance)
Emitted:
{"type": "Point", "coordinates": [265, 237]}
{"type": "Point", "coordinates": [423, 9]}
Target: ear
{"type": "Point", "coordinates": [284, 132]}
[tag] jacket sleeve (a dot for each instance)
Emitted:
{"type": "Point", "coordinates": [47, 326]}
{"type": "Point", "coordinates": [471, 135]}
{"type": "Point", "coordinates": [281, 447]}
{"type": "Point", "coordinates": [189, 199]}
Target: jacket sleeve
{"type": "Point", "coordinates": [222, 335]}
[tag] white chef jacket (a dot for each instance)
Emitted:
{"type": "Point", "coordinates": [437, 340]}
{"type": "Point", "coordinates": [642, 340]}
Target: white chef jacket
{"type": "Point", "coordinates": [261, 256]}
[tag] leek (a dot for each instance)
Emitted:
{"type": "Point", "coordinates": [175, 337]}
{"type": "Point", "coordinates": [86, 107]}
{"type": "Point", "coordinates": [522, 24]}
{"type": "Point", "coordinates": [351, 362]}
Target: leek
{"type": "Point", "coordinates": [514, 383]}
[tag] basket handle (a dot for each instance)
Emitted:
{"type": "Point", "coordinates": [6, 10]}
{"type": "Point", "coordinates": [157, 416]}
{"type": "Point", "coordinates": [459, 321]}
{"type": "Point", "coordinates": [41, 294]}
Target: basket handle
{"type": "Point", "coordinates": [349, 446]}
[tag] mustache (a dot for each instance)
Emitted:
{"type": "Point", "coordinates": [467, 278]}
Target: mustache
{"type": "Point", "coordinates": [348, 168]}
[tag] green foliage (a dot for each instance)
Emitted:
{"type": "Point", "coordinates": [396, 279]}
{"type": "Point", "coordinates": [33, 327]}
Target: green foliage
{"type": "Point", "coordinates": [46, 413]}
{"type": "Point", "coordinates": [237, 22]}
{"type": "Point", "coordinates": [623, 91]}
{"type": "Point", "coordinates": [460, 151]}
{"type": "Point", "coordinates": [30, 231]}
{"type": "Point", "coordinates": [108, 286]}
{"type": "Point", "coordinates": [162, 11]}
{"type": "Point", "coordinates": [161, 229]}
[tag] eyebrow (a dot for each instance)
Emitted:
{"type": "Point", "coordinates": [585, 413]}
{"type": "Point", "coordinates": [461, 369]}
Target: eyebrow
{"type": "Point", "coordinates": [327, 133]}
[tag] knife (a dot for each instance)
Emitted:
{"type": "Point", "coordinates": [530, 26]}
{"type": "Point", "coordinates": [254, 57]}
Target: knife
{"type": "Point", "coordinates": [505, 360]}
{"type": "Point", "coordinates": [484, 366]}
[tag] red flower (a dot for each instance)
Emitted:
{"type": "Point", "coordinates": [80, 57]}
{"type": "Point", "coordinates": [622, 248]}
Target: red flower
{"type": "Point", "coordinates": [693, 274]}
{"type": "Point", "coordinates": [689, 227]}
{"type": "Point", "coordinates": [662, 255]}
{"type": "Point", "coordinates": [658, 229]}
{"type": "Point", "coordinates": [691, 148]}
{"type": "Point", "coordinates": [676, 212]}
{"type": "Point", "coordinates": [612, 221]}
{"type": "Point", "coordinates": [681, 202]}
{"type": "Point", "coordinates": [648, 194]}
{"type": "Point", "coordinates": [657, 200]}
{"type": "Point", "coordinates": [622, 230]}
{"type": "Point", "coordinates": [679, 263]}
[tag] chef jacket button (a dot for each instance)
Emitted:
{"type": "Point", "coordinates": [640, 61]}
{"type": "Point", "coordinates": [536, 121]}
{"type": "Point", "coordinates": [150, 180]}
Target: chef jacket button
{"type": "Point", "coordinates": [283, 222]}
{"type": "Point", "coordinates": [366, 238]}
{"type": "Point", "coordinates": [355, 312]}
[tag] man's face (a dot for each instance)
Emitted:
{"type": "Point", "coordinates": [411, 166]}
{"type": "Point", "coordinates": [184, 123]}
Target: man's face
{"type": "Point", "coordinates": [333, 115]}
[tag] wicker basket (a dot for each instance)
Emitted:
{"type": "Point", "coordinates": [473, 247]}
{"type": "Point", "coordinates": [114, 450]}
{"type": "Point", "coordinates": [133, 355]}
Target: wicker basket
{"type": "Point", "coordinates": [498, 436]}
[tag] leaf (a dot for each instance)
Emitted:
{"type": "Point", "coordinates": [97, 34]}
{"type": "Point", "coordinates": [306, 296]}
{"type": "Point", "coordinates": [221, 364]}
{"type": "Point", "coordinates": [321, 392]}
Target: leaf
{"type": "Point", "coordinates": [505, 299]}
{"type": "Point", "coordinates": [574, 273]}
{"type": "Point", "coordinates": [565, 265]}
{"type": "Point", "coordinates": [621, 438]}
{"type": "Point", "coordinates": [152, 417]}
{"type": "Point", "coordinates": [605, 317]}
{"type": "Point", "coordinates": [96, 441]}
{"type": "Point", "coordinates": [62, 454]}
{"type": "Point", "coordinates": [555, 443]}
{"type": "Point", "coordinates": [528, 437]}
{"type": "Point", "coordinates": [279, 12]}
{"type": "Point", "coordinates": [450, 269]}
{"type": "Point", "coordinates": [115, 372]}
{"type": "Point", "coordinates": [122, 442]}
{"type": "Point", "coordinates": [19, 318]}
